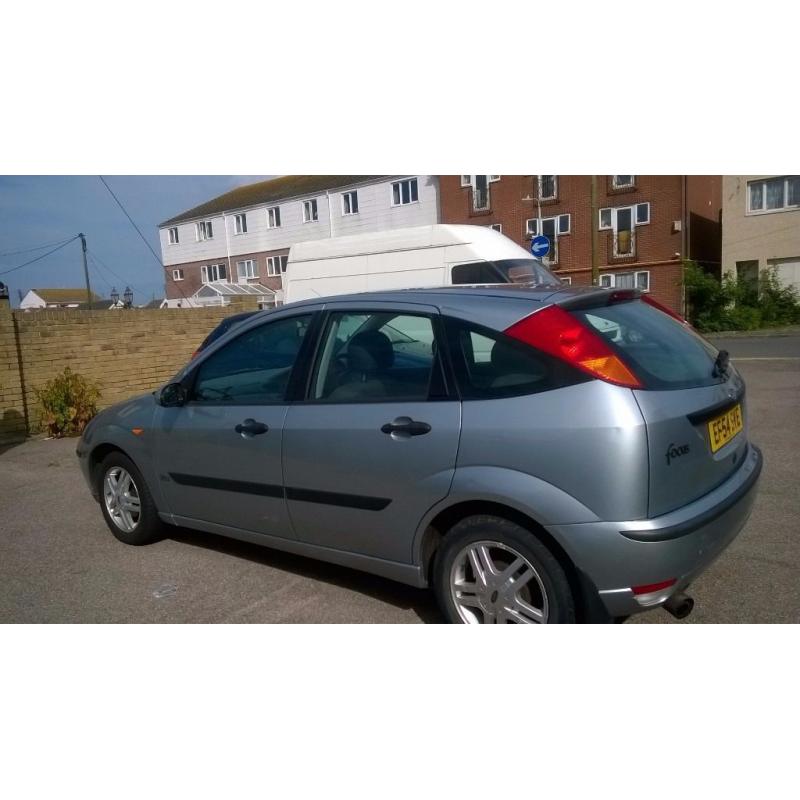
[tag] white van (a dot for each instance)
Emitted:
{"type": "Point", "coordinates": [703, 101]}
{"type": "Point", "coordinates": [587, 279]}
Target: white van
{"type": "Point", "coordinates": [409, 258]}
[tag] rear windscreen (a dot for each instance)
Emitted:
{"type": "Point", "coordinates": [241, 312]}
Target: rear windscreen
{"type": "Point", "coordinates": [664, 353]}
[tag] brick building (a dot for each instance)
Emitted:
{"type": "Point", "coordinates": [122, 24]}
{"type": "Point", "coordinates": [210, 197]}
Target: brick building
{"type": "Point", "coordinates": [645, 225]}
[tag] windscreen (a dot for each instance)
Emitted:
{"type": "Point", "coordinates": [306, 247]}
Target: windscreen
{"type": "Point", "coordinates": [508, 270]}
{"type": "Point", "coordinates": [662, 351]}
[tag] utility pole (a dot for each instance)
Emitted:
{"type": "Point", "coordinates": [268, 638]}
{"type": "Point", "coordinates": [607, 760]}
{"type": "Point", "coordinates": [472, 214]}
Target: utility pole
{"type": "Point", "coordinates": [595, 223]}
{"type": "Point", "coordinates": [86, 271]}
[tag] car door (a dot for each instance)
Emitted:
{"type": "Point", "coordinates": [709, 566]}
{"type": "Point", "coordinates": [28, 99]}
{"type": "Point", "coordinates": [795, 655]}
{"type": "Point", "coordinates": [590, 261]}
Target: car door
{"type": "Point", "coordinates": [219, 455]}
{"type": "Point", "coordinates": [373, 445]}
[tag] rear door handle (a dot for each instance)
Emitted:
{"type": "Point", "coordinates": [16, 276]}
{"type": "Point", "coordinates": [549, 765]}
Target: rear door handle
{"type": "Point", "coordinates": [251, 428]}
{"type": "Point", "coordinates": [407, 426]}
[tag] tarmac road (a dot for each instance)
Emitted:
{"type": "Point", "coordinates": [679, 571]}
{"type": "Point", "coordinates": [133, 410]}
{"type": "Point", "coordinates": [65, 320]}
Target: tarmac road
{"type": "Point", "coordinates": [59, 563]}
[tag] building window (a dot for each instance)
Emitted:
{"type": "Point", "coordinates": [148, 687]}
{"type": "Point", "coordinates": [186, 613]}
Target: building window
{"type": "Point", "coordinates": [177, 274]}
{"type": "Point", "coordinates": [173, 236]}
{"type": "Point", "coordinates": [494, 178]}
{"type": "Point", "coordinates": [204, 230]}
{"type": "Point", "coordinates": [548, 187]}
{"type": "Point", "coordinates": [774, 194]}
{"type": "Point", "coordinates": [622, 181]}
{"type": "Point", "coordinates": [246, 269]}
{"type": "Point", "coordinates": [466, 180]}
{"type": "Point", "coordinates": [213, 272]}
{"type": "Point", "coordinates": [566, 279]}
{"type": "Point", "coordinates": [349, 203]}
{"type": "Point", "coordinates": [563, 225]}
{"type": "Point", "coordinates": [405, 192]}
{"type": "Point", "coordinates": [274, 217]}
{"type": "Point", "coordinates": [497, 227]}
{"type": "Point", "coordinates": [626, 280]}
{"type": "Point", "coordinates": [240, 223]}
{"type": "Point", "coordinates": [276, 265]}
{"type": "Point", "coordinates": [613, 218]}
{"type": "Point", "coordinates": [310, 211]}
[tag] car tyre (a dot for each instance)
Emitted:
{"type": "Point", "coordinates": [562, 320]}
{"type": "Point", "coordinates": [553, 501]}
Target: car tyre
{"type": "Point", "coordinates": [126, 502]}
{"type": "Point", "coordinates": [489, 569]}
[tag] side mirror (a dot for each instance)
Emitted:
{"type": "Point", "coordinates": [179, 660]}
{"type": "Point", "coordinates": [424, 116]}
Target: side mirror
{"type": "Point", "coordinates": [172, 395]}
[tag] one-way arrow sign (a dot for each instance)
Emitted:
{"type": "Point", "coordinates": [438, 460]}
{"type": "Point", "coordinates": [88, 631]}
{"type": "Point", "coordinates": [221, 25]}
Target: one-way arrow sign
{"type": "Point", "coordinates": [540, 246]}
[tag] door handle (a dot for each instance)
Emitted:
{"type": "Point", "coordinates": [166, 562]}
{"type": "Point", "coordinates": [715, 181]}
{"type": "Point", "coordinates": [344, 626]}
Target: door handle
{"type": "Point", "coordinates": [251, 428]}
{"type": "Point", "coordinates": [407, 426]}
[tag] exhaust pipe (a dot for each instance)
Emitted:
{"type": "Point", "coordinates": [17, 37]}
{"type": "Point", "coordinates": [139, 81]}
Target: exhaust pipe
{"type": "Point", "coordinates": [680, 605]}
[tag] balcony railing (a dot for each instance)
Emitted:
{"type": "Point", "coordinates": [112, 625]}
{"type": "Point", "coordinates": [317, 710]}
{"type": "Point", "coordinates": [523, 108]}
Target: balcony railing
{"type": "Point", "coordinates": [623, 244]}
{"type": "Point", "coordinates": [481, 200]}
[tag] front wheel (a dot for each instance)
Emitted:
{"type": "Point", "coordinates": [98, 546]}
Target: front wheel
{"type": "Point", "coordinates": [128, 508]}
{"type": "Point", "coordinates": [490, 570]}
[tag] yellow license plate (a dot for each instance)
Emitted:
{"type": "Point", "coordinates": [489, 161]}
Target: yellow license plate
{"type": "Point", "coordinates": [722, 429]}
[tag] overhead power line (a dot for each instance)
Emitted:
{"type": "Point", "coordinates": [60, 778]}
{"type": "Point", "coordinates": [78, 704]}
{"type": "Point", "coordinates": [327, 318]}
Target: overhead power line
{"type": "Point", "coordinates": [39, 258]}
{"type": "Point", "coordinates": [33, 249]}
{"type": "Point", "coordinates": [138, 230]}
{"type": "Point", "coordinates": [98, 262]}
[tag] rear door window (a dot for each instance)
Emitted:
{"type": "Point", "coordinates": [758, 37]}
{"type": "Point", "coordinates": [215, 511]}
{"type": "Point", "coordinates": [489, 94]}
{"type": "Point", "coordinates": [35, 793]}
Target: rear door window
{"type": "Point", "coordinates": [662, 351]}
{"type": "Point", "coordinates": [489, 364]}
{"type": "Point", "coordinates": [377, 357]}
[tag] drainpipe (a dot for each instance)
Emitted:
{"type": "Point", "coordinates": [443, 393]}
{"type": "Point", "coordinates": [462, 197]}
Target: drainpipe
{"type": "Point", "coordinates": [228, 248]}
{"type": "Point", "coordinates": [684, 238]}
{"type": "Point", "coordinates": [330, 214]}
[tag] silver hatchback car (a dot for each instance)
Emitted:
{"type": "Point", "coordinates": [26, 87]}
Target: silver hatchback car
{"type": "Point", "coordinates": [548, 454]}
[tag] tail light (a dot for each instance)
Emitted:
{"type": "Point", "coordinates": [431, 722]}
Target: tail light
{"type": "Point", "coordinates": [553, 330]}
{"type": "Point", "coordinates": [648, 588]}
{"type": "Point", "coordinates": [194, 355]}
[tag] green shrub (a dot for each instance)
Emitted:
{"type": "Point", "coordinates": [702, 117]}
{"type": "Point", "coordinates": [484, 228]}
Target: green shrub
{"type": "Point", "coordinates": [68, 401]}
{"type": "Point", "coordinates": [738, 304]}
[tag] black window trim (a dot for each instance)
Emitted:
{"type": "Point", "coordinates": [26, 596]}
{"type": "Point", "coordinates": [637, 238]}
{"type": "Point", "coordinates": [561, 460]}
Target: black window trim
{"type": "Point", "coordinates": [190, 379]}
{"type": "Point", "coordinates": [442, 358]}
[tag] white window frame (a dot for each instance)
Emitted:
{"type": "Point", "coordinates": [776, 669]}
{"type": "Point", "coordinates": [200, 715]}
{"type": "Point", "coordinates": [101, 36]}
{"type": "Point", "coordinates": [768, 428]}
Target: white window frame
{"type": "Point", "coordinates": [493, 178]}
{"type": "Point", "coordinates": [566, 279]}
{"type": "Point", "coordinates": [497, 226]}
{"type": "Point", "coordinates": [466, 181]}
{"type": "Point", "coordinates": [177, 275]}
{"type": "Point", "coordinates": [634, 209]}
{"type": "Point", "coordinates": [207, 270]}
{"type": "Point", "coordinates": [250, 270]}
{"type": "Point", "coordinates": [276, 265]}
{"type": "Point", "coordinates": [399, 184]}
{"type": "Point", "coordinates": [553, 196]}
{"type": "Point", "coordinates": [616, 185]}
{"type": "Point", "coordinates": [204, 230]}
{"type": "Point", "coordinates": [240, 224]}
{"type": "Point", "coordinates": [274, 217]}
{"type": "Point", "coordinates": [763, 182]}
{"type": "Point", "coordinates": [347, 200]}
{"type": "Point", "coordinates": [174, 238]}
{"type": "Point", "coordinates": [608, 280]}
{"type": "Point", "coordinates": [310, 210]}
{"type": "Point", "coordinates": [533, 229]}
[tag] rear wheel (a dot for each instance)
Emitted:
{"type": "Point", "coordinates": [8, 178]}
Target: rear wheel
{"type": "Point", "coordinates": [128, 508]}
{"type": "Point", "coordinates": [489, 570]}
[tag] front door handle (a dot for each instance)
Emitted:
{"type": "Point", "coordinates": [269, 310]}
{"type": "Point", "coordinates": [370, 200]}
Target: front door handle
{"type": "Point", "coordinates": [251, 428]}
{"type": "Point", "coordinates": [405, 426]}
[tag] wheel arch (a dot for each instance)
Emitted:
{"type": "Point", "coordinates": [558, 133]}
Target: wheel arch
{"type": "Point", "coordinates": [588, 605]}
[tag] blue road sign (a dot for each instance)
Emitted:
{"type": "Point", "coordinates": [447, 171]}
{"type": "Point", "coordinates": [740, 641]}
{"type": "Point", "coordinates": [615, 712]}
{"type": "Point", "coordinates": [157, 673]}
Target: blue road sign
{"type": "Point", "coordinates": [540, 246]}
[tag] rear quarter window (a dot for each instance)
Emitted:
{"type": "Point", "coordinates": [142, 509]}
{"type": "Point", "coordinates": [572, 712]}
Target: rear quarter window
{"type": "Point", "coordinates": [663, 352]}
{"type": "Point", "coordinates": [488, 364]}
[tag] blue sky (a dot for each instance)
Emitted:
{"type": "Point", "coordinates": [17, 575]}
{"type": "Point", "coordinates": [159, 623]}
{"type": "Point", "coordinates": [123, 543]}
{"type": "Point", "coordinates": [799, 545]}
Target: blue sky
{"type": "Point", "coordinates": [36, 210]}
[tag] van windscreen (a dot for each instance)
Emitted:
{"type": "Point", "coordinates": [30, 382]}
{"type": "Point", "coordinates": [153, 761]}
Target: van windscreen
{"type": "Point", "coordinates": [508, 270]}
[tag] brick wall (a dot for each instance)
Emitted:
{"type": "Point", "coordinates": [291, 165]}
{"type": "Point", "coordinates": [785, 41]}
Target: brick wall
{"type": "Point", "coordinates": [125, 352]}
{"type": "Point", "coordinates": [659, 246]}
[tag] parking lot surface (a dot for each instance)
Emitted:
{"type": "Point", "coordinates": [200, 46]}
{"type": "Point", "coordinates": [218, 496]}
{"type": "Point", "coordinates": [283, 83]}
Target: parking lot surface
{"type": "Point", "coordinates": [59, 562]}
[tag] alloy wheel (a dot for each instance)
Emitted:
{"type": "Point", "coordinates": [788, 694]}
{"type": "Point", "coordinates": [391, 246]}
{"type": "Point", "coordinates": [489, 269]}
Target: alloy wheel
{"type": "Point", "coordinates": [121, 497]}
{"type": "Point", "coordinates": [491, 583]}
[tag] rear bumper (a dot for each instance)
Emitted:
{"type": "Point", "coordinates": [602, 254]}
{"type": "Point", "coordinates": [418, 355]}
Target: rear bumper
{"type": "Point", "coordinates": [617, 556]}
